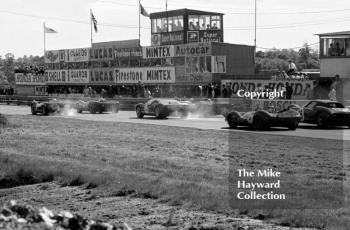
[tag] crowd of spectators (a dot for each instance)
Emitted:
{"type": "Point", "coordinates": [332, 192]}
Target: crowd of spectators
{"type": "Point", "coordinates": [8, 90]}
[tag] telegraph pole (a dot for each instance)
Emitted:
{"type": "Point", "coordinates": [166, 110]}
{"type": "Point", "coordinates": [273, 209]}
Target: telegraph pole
{"type": "Point", "coordinates": [255, 32]}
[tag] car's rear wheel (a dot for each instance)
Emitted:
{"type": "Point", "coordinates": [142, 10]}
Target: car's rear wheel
{"type": "Point", "coordinates": [139, 113]}
{"type": "Point", "coordinates": [33, 110]}
{"type": "Point", "coordinates": [321, 120]}
{"type": "Point", "coordinates": [184, 114]}
{"type": "Point", "coordinates": [46, 111]}
{"type": "Point", "coordinates": [258, 123]}
{"type": "Point", "coordinates": [232, 121]}
{"type": "Point", "coordinates": [157, 112]}
{"type": "Point", "coordinates": [293, 126]}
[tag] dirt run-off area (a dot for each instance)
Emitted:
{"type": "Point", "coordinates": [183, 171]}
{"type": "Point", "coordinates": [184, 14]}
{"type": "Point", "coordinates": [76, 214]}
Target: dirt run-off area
{"type": "Point", "coordinates": [158, 177]}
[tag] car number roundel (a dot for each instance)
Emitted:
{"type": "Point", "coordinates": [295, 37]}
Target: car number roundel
{"type": "Point", "coordinates": [249, 117]}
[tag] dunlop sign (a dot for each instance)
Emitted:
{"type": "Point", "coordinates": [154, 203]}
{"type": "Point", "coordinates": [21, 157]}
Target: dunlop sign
{"type": "Point", "coordinates": [30, 79]}
{"type": "Point", "coordinates": [79, 76]}
{"type": "Point", "coordinates": [145, 75]}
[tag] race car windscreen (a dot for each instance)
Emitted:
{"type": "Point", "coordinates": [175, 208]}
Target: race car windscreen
{"type": "Point", "coordinates": [335, 105]}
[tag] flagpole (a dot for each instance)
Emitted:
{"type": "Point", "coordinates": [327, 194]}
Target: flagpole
{"type": "Point", "coordinates": [91, 26]}
{"type": "Point", "coordinates": [139, 23]}
{"type": "Point", "coordinates": [44, 38]}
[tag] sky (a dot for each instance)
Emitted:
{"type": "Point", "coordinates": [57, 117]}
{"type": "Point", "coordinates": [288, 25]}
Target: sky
{"type": "Point", "coordinates": [280, 23]}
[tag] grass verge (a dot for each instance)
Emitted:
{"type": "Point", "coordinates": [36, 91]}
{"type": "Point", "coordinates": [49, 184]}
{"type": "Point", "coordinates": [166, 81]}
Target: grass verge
{"type": "Point", "coordinates": [178, 165]}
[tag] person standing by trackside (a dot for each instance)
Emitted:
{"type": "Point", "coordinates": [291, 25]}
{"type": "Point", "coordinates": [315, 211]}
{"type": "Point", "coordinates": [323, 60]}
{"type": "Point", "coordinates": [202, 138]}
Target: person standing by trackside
{"type": "Point", "coordinates": [332, 94]}
{"type": "Point", "coordinates": [289, 91]}
{"type": "Point", "coordinates": [224, 91]}
{"type": "Point", "coordinates": [229, 90]}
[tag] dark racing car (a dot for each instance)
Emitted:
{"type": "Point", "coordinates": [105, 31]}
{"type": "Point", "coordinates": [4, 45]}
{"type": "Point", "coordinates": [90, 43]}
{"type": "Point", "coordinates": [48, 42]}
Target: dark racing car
{"type": "Point", "coordinates": [46, 108]}
{"type": "Point", "coordinates": [97, 106]}
{"type": "Point", "coordinates": [325, 113]}
{"type": "Point", "coordinates": [162, 108]}
{"type": "Point", "coordinates": [264, 119]}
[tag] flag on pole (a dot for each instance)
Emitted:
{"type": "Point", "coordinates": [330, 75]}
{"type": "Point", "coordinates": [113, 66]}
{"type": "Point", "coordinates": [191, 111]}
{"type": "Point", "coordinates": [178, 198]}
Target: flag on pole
{"type": "Point", "coordinates": [143, 11]}
{"type": "Point", "coordinates": [49, 30]}
{"type": "Point", "coordinates": [94, 21]}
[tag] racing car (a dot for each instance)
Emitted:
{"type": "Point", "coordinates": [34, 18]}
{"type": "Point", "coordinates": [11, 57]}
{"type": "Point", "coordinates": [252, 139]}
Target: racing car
{"type": "Point", "coordinates": [162, 108]}
{"type": "Point", "coordinates": [97, 106]}
{"type": "Point", "coordinates": [263, 119]}
{"type": "Point", "coordinates": [326, 113]}
{"type": "Point", "coordinates": [46, 108]}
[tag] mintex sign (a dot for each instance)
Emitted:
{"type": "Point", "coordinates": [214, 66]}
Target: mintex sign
{"type": "Point", "coordinates": [158, 52]}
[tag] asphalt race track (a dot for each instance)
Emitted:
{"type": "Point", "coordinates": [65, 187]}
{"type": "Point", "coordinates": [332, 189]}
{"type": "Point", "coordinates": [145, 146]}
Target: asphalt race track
{"type": "Point", "coordinates": [213, 123]}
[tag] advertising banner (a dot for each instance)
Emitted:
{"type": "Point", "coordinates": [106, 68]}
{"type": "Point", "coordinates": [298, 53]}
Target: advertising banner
{"type": "Point", "coordinates": [57, 76]}
{"type": "Point", "coordinates": [210, 36]}
{"type": "Point", "coordinates": [195, 78]}
{"type": "Point", "coordinates": [195, 49]}
{"type": "Point", "coordinates": [40, 91]}
{"type": "Point", "coordinates": [63, 55]}
{"type": "Point", "coordinates": [101, 53]}
{"type": "Point", "coordinates": [172, 38]}
{"type": "Point", "coordinates": [102, 75]}
{"type": "Point", "coordinates": [78, 55]}
{"type": "Point", "coordinates": [79, 76]}
{"type": "Point", "coordinates": [155, 40]}
{"type": "Point", "coordinates": [145, 75]}
{"type": "Point", "coordinates": [192, 36]}
{"type": "Point", "coordinates": [300, 88]}
{"type": "Point", "coordinates": [30, 79]}
{"type": "Point", "coordinates": [158, 52]}
{"type": "Point", "coordinates": [52, 56]}
{"type": "Point", "coordinates": [127, 52]}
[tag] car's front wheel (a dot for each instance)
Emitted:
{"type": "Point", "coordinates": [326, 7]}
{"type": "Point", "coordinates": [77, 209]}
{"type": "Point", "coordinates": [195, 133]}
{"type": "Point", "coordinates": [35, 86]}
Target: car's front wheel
{"type": "Point", "coordinates": [321, 120]}
{"type": "Point", "coordinates": [231, 121]}
{"type": "Point", "coordinates": [258, 123]}
{"type": "Point", "coordinates": [139, 113]}
{"type": "Point", "coordinates": [33, 110]}
{"type": "Point", "coordinates": [157, 112]}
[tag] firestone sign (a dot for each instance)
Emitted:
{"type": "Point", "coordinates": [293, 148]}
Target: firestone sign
{"type": "Point", "coordinates": [145, 75]}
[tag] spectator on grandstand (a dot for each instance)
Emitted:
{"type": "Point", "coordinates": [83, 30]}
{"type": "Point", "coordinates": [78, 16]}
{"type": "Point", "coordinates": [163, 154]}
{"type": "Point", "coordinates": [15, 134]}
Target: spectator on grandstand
{"type": "Point", "coordinates": [147, 93]}
{"type": "Point", "coordinates": [291, 67]}
{"type": "Point", "coordinates": [259, 88]}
